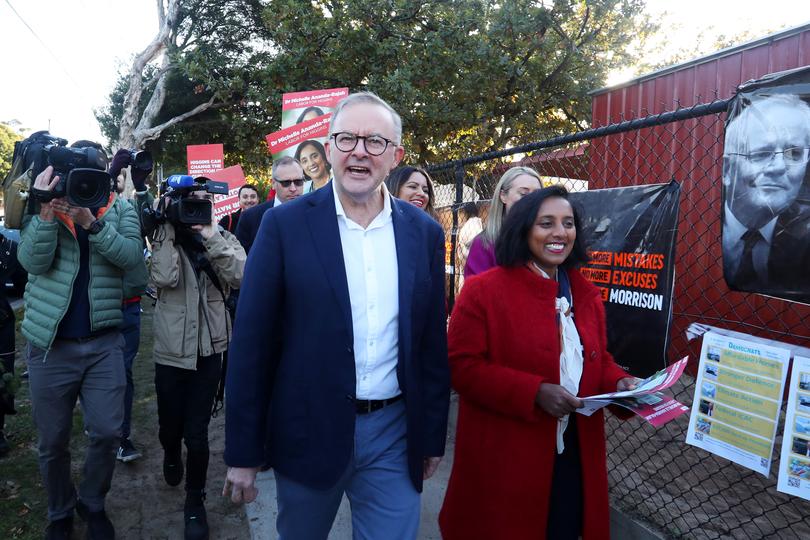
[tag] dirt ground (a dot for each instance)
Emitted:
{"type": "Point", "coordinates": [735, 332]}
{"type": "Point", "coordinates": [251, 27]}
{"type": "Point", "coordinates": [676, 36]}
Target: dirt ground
{"type": "Point", "coordinates": [140, 504]}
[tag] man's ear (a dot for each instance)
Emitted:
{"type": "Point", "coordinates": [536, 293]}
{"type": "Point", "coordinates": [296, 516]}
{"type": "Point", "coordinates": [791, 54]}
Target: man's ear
{"type": "Point", "coordinates": [399, 153]}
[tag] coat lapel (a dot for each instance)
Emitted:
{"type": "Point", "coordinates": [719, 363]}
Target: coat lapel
{"type": "Point", "coordinates": [323, 227]}
{"type": "Point", "coordinates": [405, 236]}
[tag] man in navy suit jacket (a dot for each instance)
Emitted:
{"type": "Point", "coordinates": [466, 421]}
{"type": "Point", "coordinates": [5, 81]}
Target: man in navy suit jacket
{"type": "Point", "coordinates": [338, 375]}
{"type": "Point", "coordinates": [288, 183]}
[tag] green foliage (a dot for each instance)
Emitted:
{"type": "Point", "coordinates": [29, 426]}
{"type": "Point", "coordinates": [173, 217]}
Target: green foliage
{"type": "Point", "coordinates": [467, 76]}
{"type": "Point", "coordinates": [7, 139]}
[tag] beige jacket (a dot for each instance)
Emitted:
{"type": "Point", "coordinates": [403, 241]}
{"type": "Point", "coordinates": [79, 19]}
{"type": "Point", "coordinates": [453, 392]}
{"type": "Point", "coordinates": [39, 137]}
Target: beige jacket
{"type": "Point", "coordinates": [183, 326]}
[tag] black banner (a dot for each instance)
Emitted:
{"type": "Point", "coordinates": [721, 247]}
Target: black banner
{"type": "Point", "coordinates": [766, 191]}
{"type": "Point", "coordinates": [631, 234]}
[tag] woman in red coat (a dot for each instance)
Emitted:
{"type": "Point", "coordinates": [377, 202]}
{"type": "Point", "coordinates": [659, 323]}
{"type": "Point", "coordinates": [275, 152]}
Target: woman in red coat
{"type": "Point", "coordinates": [526, 465]}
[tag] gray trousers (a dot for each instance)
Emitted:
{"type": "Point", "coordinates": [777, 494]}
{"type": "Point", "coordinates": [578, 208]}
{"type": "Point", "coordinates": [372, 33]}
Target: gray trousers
{"type": "Point", "coordinates": [92, 370]}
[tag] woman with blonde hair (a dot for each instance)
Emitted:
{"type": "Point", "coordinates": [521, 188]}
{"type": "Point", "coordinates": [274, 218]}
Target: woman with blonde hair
{"type": "Point", "coordinates": [515, 184]}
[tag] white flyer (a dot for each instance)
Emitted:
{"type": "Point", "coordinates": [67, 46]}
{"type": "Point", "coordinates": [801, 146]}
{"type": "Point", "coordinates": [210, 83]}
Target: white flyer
{"type": "Point", "coordinates": [794, 468]}
{"type": "Point", "coordinates": [738, 396]}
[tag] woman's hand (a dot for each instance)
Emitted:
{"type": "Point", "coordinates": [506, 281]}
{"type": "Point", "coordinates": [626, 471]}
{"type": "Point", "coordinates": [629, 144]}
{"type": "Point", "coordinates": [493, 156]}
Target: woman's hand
{"type": "Point", "coordinates": [556, 400]}
{"type": "Point", "coordinates": [627, 383]}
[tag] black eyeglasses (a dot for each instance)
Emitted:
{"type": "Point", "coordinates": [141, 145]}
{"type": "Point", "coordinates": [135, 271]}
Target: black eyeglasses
{"type": "Point", "coordinates": [374, 144]}
{"type": "Point", "coordinates": [792, 156]}
{"type": "Point", "coordinates": [297, 181]}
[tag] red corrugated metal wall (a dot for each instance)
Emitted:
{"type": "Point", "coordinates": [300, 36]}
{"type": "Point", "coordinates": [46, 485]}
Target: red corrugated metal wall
{"type": "Point", "coordinates": [691, 152]}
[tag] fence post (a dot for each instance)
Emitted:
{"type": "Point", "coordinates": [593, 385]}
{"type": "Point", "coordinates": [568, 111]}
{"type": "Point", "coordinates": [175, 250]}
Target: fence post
{"type": "Point", "coordinates": [459, 178]}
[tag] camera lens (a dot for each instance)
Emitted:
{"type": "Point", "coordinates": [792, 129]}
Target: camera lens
{"type": "Point", "coordinates": [195, 211]}
{"type": "Point", "coordinates": [89, 188]}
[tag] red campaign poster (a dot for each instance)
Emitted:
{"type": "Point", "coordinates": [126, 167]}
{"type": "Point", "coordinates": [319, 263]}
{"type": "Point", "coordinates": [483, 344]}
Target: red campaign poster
{"type": "Point", "coordinates": [235, 177]}
{"type": "Point", "coordinates": [204, 158]}
{"type": "Point", "coordinates": [298, 107]}
{"type": "Point", "coordinates": [285, 142]}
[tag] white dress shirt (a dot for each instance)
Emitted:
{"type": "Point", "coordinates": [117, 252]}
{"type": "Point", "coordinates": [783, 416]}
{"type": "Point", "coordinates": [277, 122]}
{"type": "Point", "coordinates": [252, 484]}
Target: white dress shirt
{"type": "Point", "coordinates": [733, 245]}
{"type": "Point", "coordinates": [370, 257]}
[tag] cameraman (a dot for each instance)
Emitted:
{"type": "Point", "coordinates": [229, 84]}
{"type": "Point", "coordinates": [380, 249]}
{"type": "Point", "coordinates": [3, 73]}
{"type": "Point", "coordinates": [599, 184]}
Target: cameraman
{"type": "Point", "coordinates": [76, 258]}
{"type": "Point", "coordinates": [135, 281]}
{"type": "Point", "coordinates": [193, 267]}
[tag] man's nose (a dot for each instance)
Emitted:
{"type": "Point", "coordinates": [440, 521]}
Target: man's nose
{"type": "Point", "coordinates": [777, 162]}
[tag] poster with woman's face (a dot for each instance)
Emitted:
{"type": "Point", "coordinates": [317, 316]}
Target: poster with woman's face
{"type": "Point", "coordinates": [305, 118]}
{"type": "Point", "coordinates": [766, 193]}
{"type": "Point", "coordinates": [298, 107]}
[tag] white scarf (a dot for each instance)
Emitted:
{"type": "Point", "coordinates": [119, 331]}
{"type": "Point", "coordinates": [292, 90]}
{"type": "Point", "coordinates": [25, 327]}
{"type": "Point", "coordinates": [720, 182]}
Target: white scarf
{"type": "Point", "coordinates": [570, 357]}
{"type": "Point", "coordinates": [570, 362]}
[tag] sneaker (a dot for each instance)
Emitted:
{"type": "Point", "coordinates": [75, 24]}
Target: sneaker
{"type": "Point", "coordinates": [195, 517]}
{"type": "Point", "coordinates": [99, 526]}
{"type": "Point", "coordinates": [127, 452]}
{"type": "Point", "coordinates": [172, 468]}
{"type": "Point", "coordinates": [5, 448]}
{"type": "Point", "coordinates": [61, 529]}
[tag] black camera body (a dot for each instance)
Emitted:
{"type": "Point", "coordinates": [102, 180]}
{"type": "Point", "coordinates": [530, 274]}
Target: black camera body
{"type": "Point", "coordinates": [141, 159]}
{"type": "Point", "coordinates": [178, 207]}
{"type": "Point", "coordinates": [82, 172]}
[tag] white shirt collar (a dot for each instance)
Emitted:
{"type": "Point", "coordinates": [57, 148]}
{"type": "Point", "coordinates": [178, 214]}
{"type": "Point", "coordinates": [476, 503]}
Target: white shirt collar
{"type": "Point", "coordinates": [383, 217]}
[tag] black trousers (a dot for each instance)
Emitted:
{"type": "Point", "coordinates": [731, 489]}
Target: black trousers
{"type": "Point", "coordinates": [185, 398]}
{"type": "Point", "coordinates": [565, 505]}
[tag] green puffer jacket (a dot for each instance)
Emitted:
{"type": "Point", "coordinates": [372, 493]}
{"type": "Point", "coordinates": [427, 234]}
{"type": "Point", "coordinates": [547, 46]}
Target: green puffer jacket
{"type": "Point", "coordinates": [49, 251]}
{"type": "Point", "coordinates": [136, 279]}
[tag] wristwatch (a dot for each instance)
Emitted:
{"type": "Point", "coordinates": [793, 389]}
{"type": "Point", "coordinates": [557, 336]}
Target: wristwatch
{"type": "Point", "coordinates": [95, 227]}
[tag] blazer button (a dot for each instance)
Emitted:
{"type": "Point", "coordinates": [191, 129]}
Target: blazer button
{"type": "Point", "coordinates": [349, 350]}
{"type": "Point", "coordinates": [593, 355]}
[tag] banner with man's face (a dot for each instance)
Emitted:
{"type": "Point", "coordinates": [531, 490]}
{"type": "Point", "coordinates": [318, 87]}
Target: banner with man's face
{"type": "Point", "coordinates": [766, 193]}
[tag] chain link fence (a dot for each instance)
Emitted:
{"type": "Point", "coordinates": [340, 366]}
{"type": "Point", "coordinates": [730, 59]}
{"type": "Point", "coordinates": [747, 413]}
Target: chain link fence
{"type": "Point", "coordinates": [654, 475]}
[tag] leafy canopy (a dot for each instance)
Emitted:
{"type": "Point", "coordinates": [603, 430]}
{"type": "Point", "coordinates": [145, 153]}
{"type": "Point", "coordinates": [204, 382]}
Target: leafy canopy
{"type": "Point", "coordinates": [467, 76]}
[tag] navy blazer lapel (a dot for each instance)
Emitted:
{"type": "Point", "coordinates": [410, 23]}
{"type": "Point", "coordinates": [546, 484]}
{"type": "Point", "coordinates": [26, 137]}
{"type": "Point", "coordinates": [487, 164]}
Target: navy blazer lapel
{"type": "Point", "coordinates": [405, 236]}
{"type": "Point", "coordinates": [323, 227]}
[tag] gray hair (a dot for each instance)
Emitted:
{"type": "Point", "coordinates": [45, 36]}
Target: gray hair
{"type": "Point", "coordinates": [280, 162]}
{"type": "Point", "coordinates": [497, 209]}
{"type": "Point", "coordinates": [369, 98]}
{"type": "Point", "coordinates": [739, 127]}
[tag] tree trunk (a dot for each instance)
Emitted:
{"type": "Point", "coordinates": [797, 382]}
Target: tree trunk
{"type": "Point", "coordinates": [138, 128]}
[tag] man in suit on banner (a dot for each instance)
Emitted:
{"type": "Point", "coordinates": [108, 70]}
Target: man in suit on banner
{"type": "Point", "coordinates": [766, 219]}
{"type": "Point", "coordinates": [338, 377]}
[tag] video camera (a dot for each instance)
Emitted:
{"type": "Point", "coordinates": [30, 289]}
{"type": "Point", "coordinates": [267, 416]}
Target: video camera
{"type": "Point", "coordinates": [141, 159]}
{"type": "Point", "coordinates": [82, 172]}
{"type": "Point", "coordinates": [178, 207]}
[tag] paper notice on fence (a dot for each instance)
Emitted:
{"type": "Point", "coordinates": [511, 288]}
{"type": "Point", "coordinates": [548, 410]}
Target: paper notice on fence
{"type": "Point", "coordinates": [646, 400]}
{"type": "Point", "coordinates": [738, 395]}
{"type": "Point", "coordinates": [794, 468]}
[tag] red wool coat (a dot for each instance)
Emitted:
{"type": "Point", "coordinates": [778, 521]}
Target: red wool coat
{"type": "Point", "coordinates": [503, 342]}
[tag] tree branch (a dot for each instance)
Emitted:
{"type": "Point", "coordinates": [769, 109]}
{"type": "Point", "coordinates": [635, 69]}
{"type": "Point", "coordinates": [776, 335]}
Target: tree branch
{"type": "Point", "coordinates": [154, 132]}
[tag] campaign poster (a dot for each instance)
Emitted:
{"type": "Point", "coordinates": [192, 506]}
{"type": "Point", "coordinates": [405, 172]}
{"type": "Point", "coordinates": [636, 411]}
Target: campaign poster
{"type": "Point", "coordinates": [766, 191]}
{"type": "Point", "coordinates": [204, 158]}
{"type": "Point", "coordinates": [305, 143]}
{"type": "Point", "coordinates": [794, 469]}
{"type": "Point", "coordinates": [738, 396]}
{"type": "Point", "coordinates": [227, 204]}
{"type": "Point", "coordinates": [631, 234]}
{"type": "Point", "coordinates": [298, 107]}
